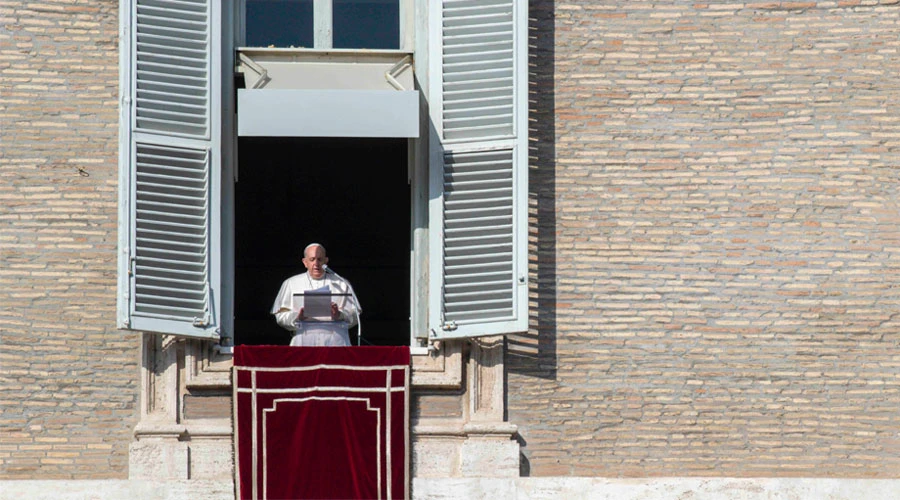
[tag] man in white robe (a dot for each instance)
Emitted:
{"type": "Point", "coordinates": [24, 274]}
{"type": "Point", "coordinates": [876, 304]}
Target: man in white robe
{"type": "Point", "coordinates": [344, 306]}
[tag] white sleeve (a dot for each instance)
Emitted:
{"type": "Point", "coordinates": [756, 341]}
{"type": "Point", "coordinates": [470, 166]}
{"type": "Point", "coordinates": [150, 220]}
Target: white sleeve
{"type": "Point", "coordinates": [349, 305]}
{"type": "Point", "coordinates": [287, 320]}
{"type": "Point", "coordinates": [284, 316]}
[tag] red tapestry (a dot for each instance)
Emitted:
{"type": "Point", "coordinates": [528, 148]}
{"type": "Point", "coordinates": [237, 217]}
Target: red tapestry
{"type": "Point", "coordinates": [322, 422]}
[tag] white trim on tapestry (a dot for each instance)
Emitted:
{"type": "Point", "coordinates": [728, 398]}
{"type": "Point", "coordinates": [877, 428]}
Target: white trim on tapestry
{"type": "Point", "coordinates": [388, 390]}
{"type": "Point", "coordinates": [387, 408]}
{"type": "Point", "coordinates": [316, 367]}
{"type": "Point", "coordinates": [322, 388]}
{"type": "Point", "coordinates": [274, 407]}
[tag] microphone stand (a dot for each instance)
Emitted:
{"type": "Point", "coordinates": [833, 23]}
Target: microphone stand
{"type": "Point", "coordinates": [356, 307]}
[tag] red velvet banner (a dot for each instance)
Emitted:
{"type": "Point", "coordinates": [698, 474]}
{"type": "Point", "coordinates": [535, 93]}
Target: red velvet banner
{"type": "Point", "coordinates": [322, 422]}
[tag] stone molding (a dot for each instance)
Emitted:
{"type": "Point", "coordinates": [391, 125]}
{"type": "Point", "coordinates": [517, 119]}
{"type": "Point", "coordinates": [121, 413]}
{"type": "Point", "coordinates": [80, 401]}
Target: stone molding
{"type": "Point", "coordinates": [170, 446]}
{"type": "Point", "coordinates": [526, 488]}
{"type": "Point", "coordinates": [206, 366]}
{"type": "Point", "coordinates": [695, 488]}
{"type": "Point", "coordinates": [440, 367]}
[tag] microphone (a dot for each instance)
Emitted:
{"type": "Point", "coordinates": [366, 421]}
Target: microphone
{"type": "Point", "coordinates": [357, 308]}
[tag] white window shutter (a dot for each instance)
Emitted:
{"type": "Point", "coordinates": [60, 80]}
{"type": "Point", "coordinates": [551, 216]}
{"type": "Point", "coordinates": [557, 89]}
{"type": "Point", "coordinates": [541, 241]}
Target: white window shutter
{"type": "Point", "coordinates": [479, 168]}
{"type": "Point", "coordinates": [170, 167]}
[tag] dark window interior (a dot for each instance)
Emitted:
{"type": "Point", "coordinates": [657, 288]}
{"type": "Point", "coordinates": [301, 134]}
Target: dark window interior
{"type": "Point", "coordinates": [279, 23]}
{"type": "Point", "coordinates": [356, 24]}
{"type": "Point", "coordinates": [350, 195]}
{"type": "Point", "coordinates": [372, 24]}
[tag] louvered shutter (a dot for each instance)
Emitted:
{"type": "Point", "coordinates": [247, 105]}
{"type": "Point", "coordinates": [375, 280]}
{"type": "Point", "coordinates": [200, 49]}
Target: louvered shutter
{"type": "Point", "coordinates": [478, 165]}
{"type": "Point", "coordinates": [170, 167]}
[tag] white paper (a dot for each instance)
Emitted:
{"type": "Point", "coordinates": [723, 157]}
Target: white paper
{"type": "Point", "coordinates": [316, 304]}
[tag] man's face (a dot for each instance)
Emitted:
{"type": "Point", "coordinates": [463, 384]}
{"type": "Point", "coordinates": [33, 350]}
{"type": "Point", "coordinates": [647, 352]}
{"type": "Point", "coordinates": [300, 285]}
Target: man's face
{"type": "Point", "coordinates": [315, 261]}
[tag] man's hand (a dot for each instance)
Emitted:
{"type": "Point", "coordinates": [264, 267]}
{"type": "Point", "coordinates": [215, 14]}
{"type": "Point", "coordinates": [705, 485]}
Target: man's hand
{"type": "Point", "coordinates": [300, 316]}
{"type": "Point", "coordinates": [335, 312]}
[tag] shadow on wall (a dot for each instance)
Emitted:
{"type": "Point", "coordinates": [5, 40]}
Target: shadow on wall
{"type": "Point", "coordinates": [534, 353]}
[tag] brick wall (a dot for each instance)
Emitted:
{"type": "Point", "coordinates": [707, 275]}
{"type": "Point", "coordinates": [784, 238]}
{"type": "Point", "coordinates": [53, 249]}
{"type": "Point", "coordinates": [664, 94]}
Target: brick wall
{"type": "Point", "coordinates": [68, 378]}
{"type": "Point", "coordinates": [716, 241]}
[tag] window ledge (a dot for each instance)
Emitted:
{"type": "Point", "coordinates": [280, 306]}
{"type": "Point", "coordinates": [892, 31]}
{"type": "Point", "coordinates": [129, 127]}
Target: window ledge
{"type": "Point", "coordinates": [422, 351]}
{"type": "Point", "coordinates": [274, 68]}
{"type": "Point", "coordinates": [322, 52]}
{"type": "Point", "coordinates": [224, 349]}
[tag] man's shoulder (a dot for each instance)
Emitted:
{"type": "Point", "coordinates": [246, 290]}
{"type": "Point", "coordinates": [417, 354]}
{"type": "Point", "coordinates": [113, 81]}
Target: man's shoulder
{"type": "Point", "coordinates": [337, 280]}
{"type": "Point", "coordinates": [296, 277]}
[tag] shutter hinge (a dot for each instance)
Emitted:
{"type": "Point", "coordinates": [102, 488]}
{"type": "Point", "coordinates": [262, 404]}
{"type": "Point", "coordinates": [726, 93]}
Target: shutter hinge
{"type": "Point", "coordinates": [449, 326]}
{"type": "Point", "coordinates": [200, 323]}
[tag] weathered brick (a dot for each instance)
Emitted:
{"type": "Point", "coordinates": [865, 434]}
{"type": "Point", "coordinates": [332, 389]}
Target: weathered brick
{"type": "Point", "coordinates": [68, 378]}
{"type": "Point", "coordinates": [715, 210]}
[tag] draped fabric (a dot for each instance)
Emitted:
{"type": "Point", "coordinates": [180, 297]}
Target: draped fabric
{"type": "Point", "coordinates": [322, 422]}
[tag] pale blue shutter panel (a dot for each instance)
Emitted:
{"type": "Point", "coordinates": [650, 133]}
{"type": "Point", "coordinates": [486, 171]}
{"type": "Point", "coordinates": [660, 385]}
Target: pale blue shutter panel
{"type": "Point", "coordinates": [478, 163]}
{"type": "Point", "coordinates": [170, 168]}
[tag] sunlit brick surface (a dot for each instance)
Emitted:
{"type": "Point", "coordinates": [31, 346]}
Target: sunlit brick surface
{"type": "Point", "coordinates": [716, 241]}
{"type": "Point", "coordinates": [68, 378]}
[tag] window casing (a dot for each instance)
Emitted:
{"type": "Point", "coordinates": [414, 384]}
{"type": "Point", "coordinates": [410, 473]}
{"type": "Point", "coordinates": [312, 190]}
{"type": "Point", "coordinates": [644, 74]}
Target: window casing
{"type": "Point", "coordinates": [326, 24]}
{"type": "Point", "coordinates": [468, 168]}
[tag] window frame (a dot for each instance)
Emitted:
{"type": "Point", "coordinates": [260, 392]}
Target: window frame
{"type": "Point", "coordinates": [417, 18]}
{"type": "Point", "coordinates": [323, 24]}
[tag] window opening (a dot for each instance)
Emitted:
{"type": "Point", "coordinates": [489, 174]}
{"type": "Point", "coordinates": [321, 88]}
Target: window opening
{"type": "Point", "coordinates": [279, 23]}
{"type": "Point", "coordinates": [323, 24]}
{"type": "Point", "coordinates": [352, 196]}
{"type": "Point", "coordinates": [373, 24]}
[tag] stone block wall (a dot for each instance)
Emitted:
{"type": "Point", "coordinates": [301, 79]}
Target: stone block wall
{"type": "Point", "coordinates": [716, 241]}
{"type": "Point", "coordinates": [68, 378]}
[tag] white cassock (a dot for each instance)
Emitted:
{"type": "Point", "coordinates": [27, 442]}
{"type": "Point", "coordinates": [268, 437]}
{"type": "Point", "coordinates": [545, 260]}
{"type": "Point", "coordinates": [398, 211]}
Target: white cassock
{"type": "Point", "coordinates": [310, 333]}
